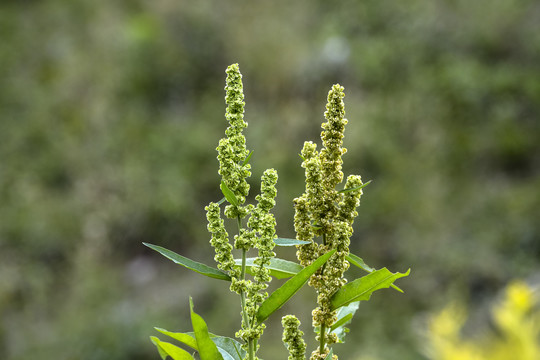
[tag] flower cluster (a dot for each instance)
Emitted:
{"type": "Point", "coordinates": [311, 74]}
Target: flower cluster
{"type": "Point", "coordinates": [262, 231]}
{"type": "Point", "coordinates": [292, 337]}
{"type": "Point", "coordinates": [232, 151]}
{"type": "Point", "coordinates": [234, 169]}
{"type": "Point", "coordinates": [324, 212]}
{"type": "Point", "coordinates": [263, 223]}
{"type": "Point", "coordinates": [220, 240]}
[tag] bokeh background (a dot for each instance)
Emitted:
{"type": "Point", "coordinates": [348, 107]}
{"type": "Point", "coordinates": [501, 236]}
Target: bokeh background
{"type": "Point", "coordinates": [110, 112]}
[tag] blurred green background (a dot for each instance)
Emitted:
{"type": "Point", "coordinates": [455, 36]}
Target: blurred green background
{"type": "Point", "coordinates": [110, 112]}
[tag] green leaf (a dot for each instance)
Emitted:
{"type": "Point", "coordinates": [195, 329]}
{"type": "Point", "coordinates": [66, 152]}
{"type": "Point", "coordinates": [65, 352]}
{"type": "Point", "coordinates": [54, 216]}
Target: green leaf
{"type": "Point", "coordinates": [171, 350]}
{"type": "Point", "coordinates": [342, 321]}
{"type": "Point", "coordinates": [190, 264]}
{"type": "Point", "coordinates": [226, 346]}
{"type": "Point", "coordinates": [301, 157]}
{"type": "Point", "coordinates": [279, 268]}
{"type": "Point", "coordinates": [361, 289]}
{"type": "Point", "coordinates": [207, 349]}
{"type": "Point", "coordinates": [287, 290]}
{"type": "Point", "coordinates": [358, 262]}
{"type": "Point", "coordinates": [246, 160]}
{"type": "Point", "coordinates": [184, 338]}
{"type": "Point", "coordinates": [156, 342]}
{"type": "Point", "coordinates": [289, 242]}
{"type": "Point", "coordinates": [344, 316]}
{"type": "Point", "coordinates": [354, 188]}
{"type": "Point", "coordinates": [229, 348]}
{"type": "Point", "coordinates": [330, 355]}
{"type": "Point", "coordinates": [229, 195]}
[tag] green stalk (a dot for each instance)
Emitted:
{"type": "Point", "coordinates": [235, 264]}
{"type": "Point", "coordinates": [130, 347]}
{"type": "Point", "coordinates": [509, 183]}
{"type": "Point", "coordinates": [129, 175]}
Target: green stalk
{"type": "Point", "coordinates": [243, 294]}
{"type": "Point", "coordinates": [243, 276]}
{"type": "Point", "coordinates": [322, 339]}
{"type": "Point", "coordinates": [251, 348]}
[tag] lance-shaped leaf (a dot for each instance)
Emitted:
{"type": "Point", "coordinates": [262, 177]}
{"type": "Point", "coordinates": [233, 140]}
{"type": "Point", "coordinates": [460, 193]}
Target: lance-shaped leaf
{"type": "Point", "coordinates": [358, 262]}
{"type": "Point", "coordinates": [289, 242]}
{"type": "Point", "coordinates": [354, 188]}
{"type": "Point", "coordinates": [344, 316]}
{"type": "Point", "coordinates": [229, 348]}
{"type": "Point", "coordinates": [167, 349]}
{"type": "Point", "coordinates": [279, 268]}
{"type": "Point", "coordinates": [229, 195]}
{"type": "Point", "coordinates": [287, 290]}
{"type": "Point", "coordinates": [246, 160]}
{"type": "Point", "coordinates": [190, 264]}
{"type": "Point", "coordinates": [207, 349]}
{"type": "Point", "coordinates": [162, 353]}
{"type": "Point", "coordinates": [184, 338]}
{"type": "Point", "coordinates": [361, 289]}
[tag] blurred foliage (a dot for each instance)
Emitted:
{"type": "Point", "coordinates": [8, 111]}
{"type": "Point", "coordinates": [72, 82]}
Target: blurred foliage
{"type": "Point", "coordinates": [110, 113]}
{"type": "Point", "coordinates": [517, 330]}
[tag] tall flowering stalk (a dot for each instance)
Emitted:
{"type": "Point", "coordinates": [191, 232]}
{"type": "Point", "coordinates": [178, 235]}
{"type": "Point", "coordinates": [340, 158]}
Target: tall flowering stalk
{"type": "Point", "coordinates": [260, 230]}
{"type": "Point", "coordinates": [327, 214]}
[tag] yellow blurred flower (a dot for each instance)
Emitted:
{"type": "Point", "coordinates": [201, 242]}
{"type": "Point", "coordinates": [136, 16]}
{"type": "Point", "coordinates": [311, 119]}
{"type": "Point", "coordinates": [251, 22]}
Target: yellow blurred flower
{"type": "Point", "coordinates": [517, 335]}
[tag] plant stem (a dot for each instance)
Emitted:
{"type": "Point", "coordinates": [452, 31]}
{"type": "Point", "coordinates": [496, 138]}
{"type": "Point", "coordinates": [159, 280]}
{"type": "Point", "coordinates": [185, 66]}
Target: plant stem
{"type": "Point", "coordinates": [322, 336]}
{"type": "Point", "coordinates": [243, 294]}
{"type": "Point", "coordinates": [243, 268]}
{"type": "Point", "coordinates": [251, 347]}
{"type": "Point", "coordinates": [243, 277]}
{"type": "Point", "coordinates": [322, 339]}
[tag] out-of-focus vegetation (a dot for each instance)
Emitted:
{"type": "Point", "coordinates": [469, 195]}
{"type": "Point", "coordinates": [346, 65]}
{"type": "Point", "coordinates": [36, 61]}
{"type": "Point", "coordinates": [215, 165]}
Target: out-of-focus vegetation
{"type": "Point", "coordinates": [517, 324]}
{"type": "Point", "coordinates": [110, 113]}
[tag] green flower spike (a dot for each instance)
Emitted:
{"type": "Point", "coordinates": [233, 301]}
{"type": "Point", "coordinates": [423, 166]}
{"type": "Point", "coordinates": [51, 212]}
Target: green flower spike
{"type": "Point", "coordinates": [262, 234]}
{"type": "Point", "coordinates": [232, 150]}
{"type": "Point", "coordinates": [292, 337]}
{"type": "Point", "coordinates": [325, 213]}
{"type": "Point", "coordinates": [264, 223]}
{"type": "Point", "coordinates": [220, 240]}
